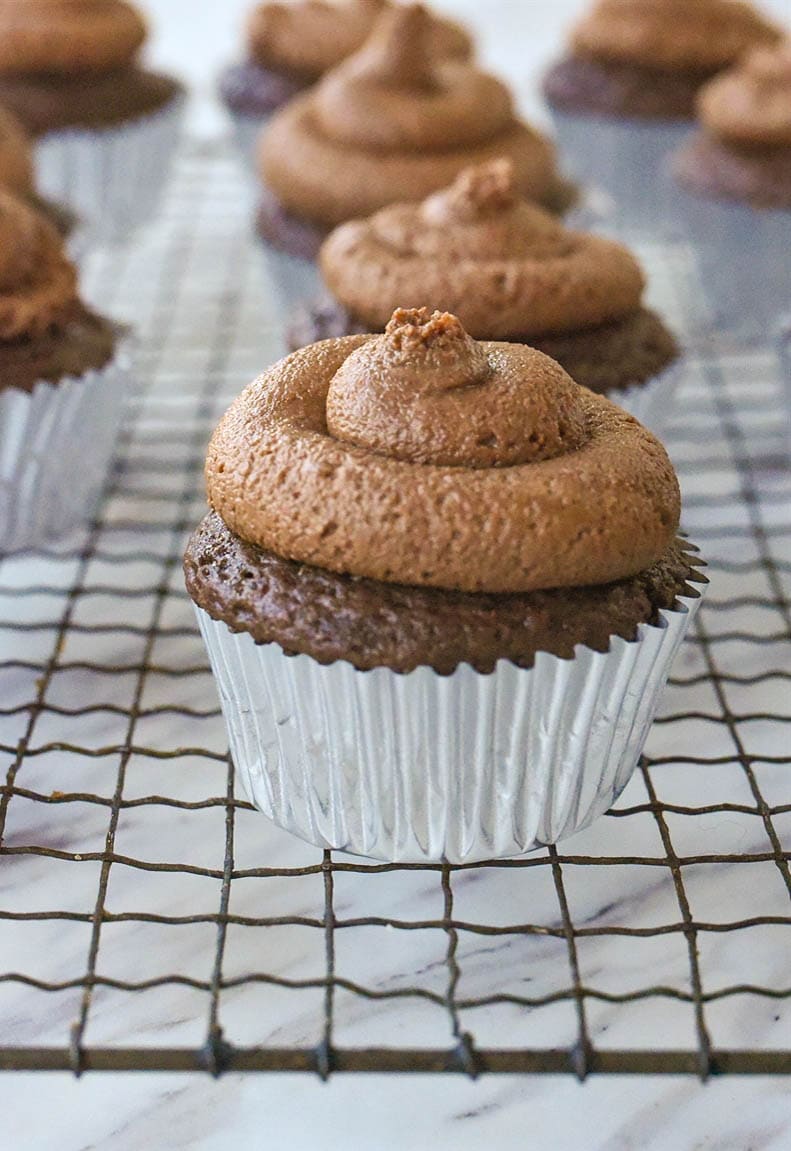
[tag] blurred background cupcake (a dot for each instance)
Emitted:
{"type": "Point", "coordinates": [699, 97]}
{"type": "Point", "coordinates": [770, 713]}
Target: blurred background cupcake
{"type": "Point", "coordinates": [624, 96]}
{"type": "Point", "coordinates": [290, 46]}
{"type": "Point", "coordinates": [63, 376]}
{"type": "Point", "coordinates": [736, 175]}
{"type": "Point", "coordinates": [393, 122]}
{"type": "Point", "coordinates": [510, 271]}
{"type": "Point", "coordinates": [105, 127]}
{"type": "Point", "coordinates": [440, 590]}
{"type": "Point", "coordinates": [17, 175]}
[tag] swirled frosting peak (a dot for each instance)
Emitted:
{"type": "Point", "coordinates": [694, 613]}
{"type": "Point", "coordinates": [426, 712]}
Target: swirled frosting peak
{"type": "Point", "coordinates": [751, 104]}
{"type": "Point", "coordinates": [396, 122]}
{"type": "Point", "coordinates": [422, 457]}
{"type": "Point", "coordinates": [65, 37]}
{"type": "Point", "coordinates": [396, 93]}
{"type": "Point", "coordinates": [309, 37]}
{"type": "Point", "coordinates": [477, 193]}
{"type": "Point", "coordinates": [695, 35]}
{"type": "Point", "coordinates": [38, 285]}
{"type": "Point", "coordinates": [478, 249]}
{"type": "Point", "coordinates": [426, 392]}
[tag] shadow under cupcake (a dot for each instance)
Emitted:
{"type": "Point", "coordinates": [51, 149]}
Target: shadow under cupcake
{"type": "Point", "coordinates": [510, 271]}
{"type": "Point", "coordinates": [441, 590]}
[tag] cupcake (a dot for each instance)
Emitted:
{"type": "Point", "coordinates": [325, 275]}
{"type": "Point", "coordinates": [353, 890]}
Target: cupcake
{"type": "Point", "coordinates": [17, 175]}
{"type": "Point", "coordinates": [510, 271]}
{"type": "Point", "coordinates": [736, 176]}
{"type": "Point", "coordinates": [624, 96]}
{"type": "Point", "coordinates": [291, 46]}
{"type": "Point", "coordinates": [105, 128]}
{"type": "Point", "coordinates": [393, 122]}
{"type": "Point", "coordinates": [63, 374]}
{"type": "Point", "coordinates": [441, 588]}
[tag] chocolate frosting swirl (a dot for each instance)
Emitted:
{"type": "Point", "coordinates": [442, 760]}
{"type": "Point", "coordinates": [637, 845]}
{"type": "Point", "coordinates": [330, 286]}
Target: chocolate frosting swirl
{"type": "Point", "coordinates": [38, 285]}
{"type": "Point", "coordinates": [506, 267]}
{"type": "Point", "coordinates": [68, 37]}
{"type": "Point", "coordinates": [395, 122]}
{"type": "Point", "coordinates": [420, 457]}
{"type": "Point", "coordinates": [750, 106]}
{"type": "Point", "coordinates": [308, 38]}
{"type": "Point", "coordinates": [16, 162]}
{"type": "Point", "coordinates": [670, 35]}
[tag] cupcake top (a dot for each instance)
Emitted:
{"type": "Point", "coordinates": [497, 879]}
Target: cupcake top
{"type": "Point", "coordinates": [504, 266]}
{"type": "Point", "coordinates": [395, 122]}
{"type": "Point", "coordinates": [672, 35]}
{"type": "Point", "coordinates": [421, 457]}
{"type": "Point", "coordinates": [38, 284]}
{"type": "Point", "coordinates": [750, 106]}
{"type": "Point", "coordinates": [309, 37]}
{"type": "Point", "coordinates": [16, 162]}
{"type": "Point", "coordinates": [68, 37]}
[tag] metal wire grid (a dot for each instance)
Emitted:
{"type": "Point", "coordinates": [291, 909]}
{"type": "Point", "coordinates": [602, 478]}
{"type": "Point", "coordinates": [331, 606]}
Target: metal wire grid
{"type": "Point", "coordinates": [150, 919]}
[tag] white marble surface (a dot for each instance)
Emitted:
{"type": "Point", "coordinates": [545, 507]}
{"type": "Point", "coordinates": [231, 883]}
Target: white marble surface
{"type": "Point", "coordinates": [183, 337]}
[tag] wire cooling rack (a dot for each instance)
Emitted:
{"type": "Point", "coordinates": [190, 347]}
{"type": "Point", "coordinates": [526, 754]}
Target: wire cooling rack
{"type": "Point", "coordinates": [150, 919]}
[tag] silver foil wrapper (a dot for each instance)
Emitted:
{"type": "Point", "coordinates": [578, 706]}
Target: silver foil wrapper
{"type": "Point", "coordinates": [743, 258]}
{"type": "Point", "coordinates": [56, 443]}
{"type": "Point", "coordinates": [624, 164]}
{"type": "Point", "coordinates": [424, 767]}
{"type": "Point", "coordinates": [112, 178]}
{"type": "Point", "coordinates": [292, 284]}
{"type": "Point", "coordinates": [246, 130]}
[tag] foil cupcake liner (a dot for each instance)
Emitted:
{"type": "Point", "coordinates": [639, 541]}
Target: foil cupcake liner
{"type": "Point", "coordinates": [624, 162]}
{"type": "Point", "coordinates": [246, 130]}
{"type": "Point", "coordinates": [112, 178]}
{"type": "Point", "coordinates": [743, 257]}
{"type": "Point", "coordinates": [292, 282]}
{"type": "Point", "coordinates": [652, 402]}
{"type": "Point", "coordinates": [56, 443]}
{"type": "Point", "coordinates": [424, 767]}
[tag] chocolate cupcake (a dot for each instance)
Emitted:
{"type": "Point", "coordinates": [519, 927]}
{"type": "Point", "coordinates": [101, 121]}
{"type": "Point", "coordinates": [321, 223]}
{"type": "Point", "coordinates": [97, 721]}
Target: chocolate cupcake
{"type": "Point", "coordinates": [736, 176]}
{"type": "Point", "coordinates": [291, 46]}
{"type": "Point", "coordinates": [510, 271]}
{"type": "Point", "coordinates": [63, 374]}
{"type": "Point", "coordinates": [440, 588]}
{"type": "Point", "coordinates": [392, 123]}
{"type": "Point", "coordinates": [624, 96]}
{"type": "Point", "coordinates": [17, 175]}
{"type": "Point", "coordinates": [105, 127]}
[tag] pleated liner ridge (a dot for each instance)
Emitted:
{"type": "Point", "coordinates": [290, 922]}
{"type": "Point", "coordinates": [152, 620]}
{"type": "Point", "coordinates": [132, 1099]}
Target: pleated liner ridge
{"type": "Point", "coordinates": [424, 767]}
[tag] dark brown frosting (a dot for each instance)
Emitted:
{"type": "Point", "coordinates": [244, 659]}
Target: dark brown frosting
{"type": "Point", "coordinates": [669, 35]}
{"type": "Point", "coordinates": [421, 457]}
{"type": "Point", "coordinates": [309, 37]}
{"type": "Point", "coordinates": [750, 106]}
{"type": "Point", "coordinates": [38, 285]}
{"type": "Point", "coordinates": [478, 249]}
{"type": "Point", "coordinates": [65, 37]}
{"type": "Point", "coordinates": [392, 123]}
